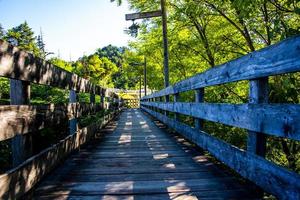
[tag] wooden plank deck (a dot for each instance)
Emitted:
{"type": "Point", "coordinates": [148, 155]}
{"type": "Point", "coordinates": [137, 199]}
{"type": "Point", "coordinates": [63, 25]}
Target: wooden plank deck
{"type": "Point", "coordinates": [138, 160]}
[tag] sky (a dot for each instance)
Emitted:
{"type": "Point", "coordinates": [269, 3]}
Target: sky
{"type": "Point", "coordinates": [71, 28]}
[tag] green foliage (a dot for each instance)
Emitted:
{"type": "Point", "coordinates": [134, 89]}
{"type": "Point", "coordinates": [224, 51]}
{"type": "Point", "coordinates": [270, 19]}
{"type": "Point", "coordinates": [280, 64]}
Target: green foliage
{"type": "Point", "coordinates": [4, 90]}
{"type": "Point", "coordinates": [23, 37]}
{"type": "Point", "coordinates": [62, 64]}
{"type": "Point", "coordinates": [99, 70]}
{"type": "Point", "coordinates": [205, 33]}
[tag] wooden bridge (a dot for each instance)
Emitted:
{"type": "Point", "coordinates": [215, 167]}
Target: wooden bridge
{"type": "Point", "coordinates": [133, 153]}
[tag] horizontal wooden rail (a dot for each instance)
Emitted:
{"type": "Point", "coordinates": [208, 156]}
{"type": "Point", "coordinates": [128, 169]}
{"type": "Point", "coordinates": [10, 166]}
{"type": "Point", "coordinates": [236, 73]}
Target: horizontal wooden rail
{"type": "Point", "coordinates": [259, 118]}
{"type": "Point", "coordinates": [24, 119]}
{"type": "Point", "coordinates": [255, 65]}
{"type": "Point", "coordinates": [18, 64]}
{"type": "Point", "coordinates": [274, 119]}
{"type": "Point", "coordinates": [272, 178]}
{"type": "Point", "coordinates": [16, 182]}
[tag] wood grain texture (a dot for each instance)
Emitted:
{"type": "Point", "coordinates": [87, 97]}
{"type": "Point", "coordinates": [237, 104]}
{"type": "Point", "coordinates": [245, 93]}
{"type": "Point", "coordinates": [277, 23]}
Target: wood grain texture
{"type": "Point", "coordinates": [140, 169]}
{"type": "Point", "coordinates": [23, 119]}
{"type": "Point", "coordinates": [280, 58]}
{"type": "Point", "coordinates": [273, 119]}
{"type": "Point", "coordinates": [273, 179]}
{"type": "Point", "coordinates": [16, 182]}
{"type": "Point", "coordinates": [18, 64]}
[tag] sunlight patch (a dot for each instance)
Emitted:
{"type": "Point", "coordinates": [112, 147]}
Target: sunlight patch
{"type": "Point", "coordinates": [160, 156]}
{"type": "Point", "coordinates": [125, 138]}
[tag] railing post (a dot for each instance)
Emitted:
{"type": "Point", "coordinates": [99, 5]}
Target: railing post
{"type": "Point", "coordinates": [73, 122]}
{"type": "Point", "coordinates": [21, 145]}
{"type": "Point", "coordinates": [161, 100]}
{"type": "Point", "coordinates": [199, 98]}
{"type": "Point", "coordinates": [167, 99]}
{"type": "Point", "coordinates": [92, 98]}
{"type": "Point", "coordinates": [259, 93]}
{"type": "Point", "coordinates": [176, 99]}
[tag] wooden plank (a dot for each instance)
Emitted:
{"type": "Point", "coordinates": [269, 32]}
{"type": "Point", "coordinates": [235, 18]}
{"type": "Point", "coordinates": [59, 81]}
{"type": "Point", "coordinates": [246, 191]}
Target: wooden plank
{"type": "Point", "coordinates": [18, 181]}
{"type": "Point", "coordinates": [203, 195]}
{"type": "Point", "coordinates": [273, 119]}
{"type": "Point", "coordinates": [141, 187]}
{"type": "Point", "coordinates": [23, 119]}
{"type": "Point", "coordinates": [57, 178]}
{"type": "Point", "coordinates": [273, 179]}
{"type": "Point", "coordinates": [143, 15]}
{"type": "Point", "coordinates": [18, 64]}
{"type": "Point", "coordinates": [254, 65]}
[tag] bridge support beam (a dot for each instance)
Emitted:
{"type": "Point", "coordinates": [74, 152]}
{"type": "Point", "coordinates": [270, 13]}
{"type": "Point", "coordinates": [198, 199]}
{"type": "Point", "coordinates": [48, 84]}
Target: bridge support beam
{"type": "Point", "coordinates": [21, 145]}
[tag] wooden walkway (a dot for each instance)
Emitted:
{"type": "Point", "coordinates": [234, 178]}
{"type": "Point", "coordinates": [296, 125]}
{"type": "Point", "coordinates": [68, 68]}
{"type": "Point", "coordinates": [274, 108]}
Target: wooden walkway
{"type": "Point", "coordinates": [138, 160]}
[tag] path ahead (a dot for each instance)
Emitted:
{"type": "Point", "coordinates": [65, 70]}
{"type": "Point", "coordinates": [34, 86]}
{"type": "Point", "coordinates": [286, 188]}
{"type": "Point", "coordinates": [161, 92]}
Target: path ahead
{"type": "Point", "coordinates": [138, 160]}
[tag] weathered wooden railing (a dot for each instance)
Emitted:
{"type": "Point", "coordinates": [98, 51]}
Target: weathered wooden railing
{"type": "Point", "coordinates": [20, 119]}
{"type": "Point", "coordinates": [258, 116]}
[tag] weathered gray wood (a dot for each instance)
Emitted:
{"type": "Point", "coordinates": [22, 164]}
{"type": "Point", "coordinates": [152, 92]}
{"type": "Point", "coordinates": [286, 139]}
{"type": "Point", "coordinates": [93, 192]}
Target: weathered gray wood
{"type": "Point", "coordinates": [176, 99]}
{"type": "Point", "coordinates": [18, 64]}
{"type": "Point", "coordinates": [23, 119]}
{"type": "Point", "coordinates": [140, 187]}
{"type": "Point", "coordinates": [73, 126]}
{"type": "Point", "coordinates": [203, 195]}
{"type": "Point", "coordinates": [16, 182]}
{"type": "Point", "coordinates": [273, 179]}
{"type": "Point", "coordinates": [255, 65]}
{"type": "Point", "coordinates": [143, 15]}
{"type": "Point", "coordinates": [145, 76]}
{"type": "Point", "coordinates": [21, 146]}
{"type": "Point", "coordinates": [259, 93]}
{"type": "Point", "coordinates": [165, 44]}
{"type": "Point", "coordinates": [99, 171]}
{"type": "Point", "coordinates": [199, 98]}
{"type": "Point", "coordinates": [272, 119]}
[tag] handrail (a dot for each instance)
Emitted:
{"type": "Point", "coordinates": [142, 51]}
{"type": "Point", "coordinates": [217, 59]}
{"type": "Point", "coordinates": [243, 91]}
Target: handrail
{"type": "Point", "coordinates": [19, 121]}
{"type": "Point", "coordinates": [257, 116]}
{"type": "Point", "coordinates": [258, 64]}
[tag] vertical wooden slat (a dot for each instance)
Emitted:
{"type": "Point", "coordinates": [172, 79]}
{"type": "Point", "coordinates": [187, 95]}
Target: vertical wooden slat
{"type": "Point", "coordinates": [199, 98]}
{"type": "Point", "coordinates": [73, 122]}
{"type": "Point", "coordinates": [176, 99]}
{"type": "Point", "coordinates": [21, 144]}
{"type": "Point", "coordinates": [258, 93]}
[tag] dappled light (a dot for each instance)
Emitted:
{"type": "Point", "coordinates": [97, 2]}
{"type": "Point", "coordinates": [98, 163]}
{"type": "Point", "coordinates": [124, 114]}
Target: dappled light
{"type": "Point", "coordinates": [200, 102]}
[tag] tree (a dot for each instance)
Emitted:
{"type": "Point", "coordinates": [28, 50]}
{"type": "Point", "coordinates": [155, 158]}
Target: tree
{"type": "Point", "coordinates": [2, 32]}
{"type": "Point", "coordinates": [23, 37]}
{"type": "Point", "coordinates": [206, 33]}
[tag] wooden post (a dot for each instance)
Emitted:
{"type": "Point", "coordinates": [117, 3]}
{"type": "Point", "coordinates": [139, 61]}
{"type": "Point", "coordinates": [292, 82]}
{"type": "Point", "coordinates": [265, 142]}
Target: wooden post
{"type": "Point", "coordinates": [92, 98]}
{"type": "Point", "coordinates": [21, 145]}
{"type": "Point", "coordinates": [176, 99]}
{"type": "Point", "coordinates": [145, 76]}
{"type": "Point", "coordinates": [140, 86]}
{"type": "Point", "coordinates": [259, 93]}
{"type": "Point", "coordinates": [199, 98]}
{"type": "Point", "coordinates": [73, 122]}
{"type": "Point", "coordinates": [102, 98]}
{"type": "Point", "coordinates": [165, 42]}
